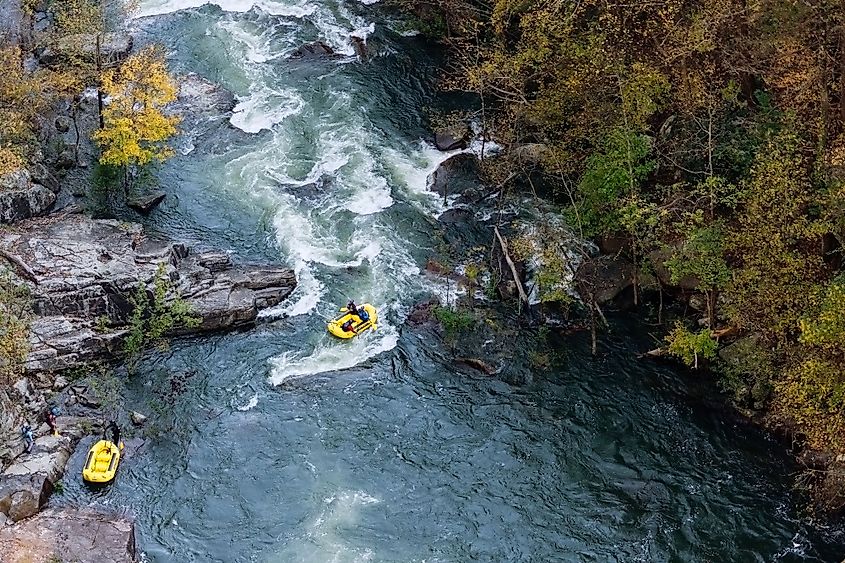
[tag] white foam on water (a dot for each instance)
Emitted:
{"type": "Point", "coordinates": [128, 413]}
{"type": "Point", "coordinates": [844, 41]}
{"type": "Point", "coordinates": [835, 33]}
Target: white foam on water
{"type": "Point", "coordinates": [412, 171]}
{"type": "Point", "coordinates": [322, 539]}
{"type": "Point", "coordinates": [296, 9]}
{"type": "Point", "coordinates": [258, 47]}
{"type": "Point", "coordinates": [364, 32]}
{"type": "Point", "coordinates": [304, 298]}
{"type": "Point", "coordinates": [332, 355]}
{"type": "Point", "coordinates": [265, 107]}
{"type": "Point", "coordinates": [250, 405]}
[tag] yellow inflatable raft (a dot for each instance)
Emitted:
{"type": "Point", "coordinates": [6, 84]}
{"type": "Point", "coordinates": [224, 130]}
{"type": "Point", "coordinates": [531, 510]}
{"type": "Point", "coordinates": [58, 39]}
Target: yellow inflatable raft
{"type": "Point", "coordinates": [335, 326]}
{"type": "Point", "coordinates": [101, 463]}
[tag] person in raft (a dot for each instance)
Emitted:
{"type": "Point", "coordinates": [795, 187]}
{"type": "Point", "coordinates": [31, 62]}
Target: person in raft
{"type": "Point", "coordinates": [361, 313]}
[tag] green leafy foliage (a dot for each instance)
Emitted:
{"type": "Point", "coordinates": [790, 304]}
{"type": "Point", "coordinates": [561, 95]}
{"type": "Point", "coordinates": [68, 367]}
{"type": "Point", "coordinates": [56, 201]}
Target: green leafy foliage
{"type": "Point", "coordinates": [691, 346]}
{"type": "Point", "coordinates": [453, 321]}
{"type": "Point", "coordinates": [702, 256]}
{"type": "Point", "coordinates": [776, 243]}
{"type": "Point", "coordinates": [152, 319]}
{"type": "Point", "coordinates": [616, 170]}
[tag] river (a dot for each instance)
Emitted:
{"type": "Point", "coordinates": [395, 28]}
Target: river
{"type": "Point", "coordinates": [281, 444]}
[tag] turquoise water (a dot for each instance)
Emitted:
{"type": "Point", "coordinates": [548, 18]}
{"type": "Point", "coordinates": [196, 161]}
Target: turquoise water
{"type": "Point", "coordinates": [280, 444]}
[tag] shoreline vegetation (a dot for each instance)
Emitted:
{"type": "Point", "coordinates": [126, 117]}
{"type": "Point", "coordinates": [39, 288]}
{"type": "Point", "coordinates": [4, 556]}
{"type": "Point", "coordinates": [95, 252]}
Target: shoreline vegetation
{"type": "Point", "coordinates": [701, 146]}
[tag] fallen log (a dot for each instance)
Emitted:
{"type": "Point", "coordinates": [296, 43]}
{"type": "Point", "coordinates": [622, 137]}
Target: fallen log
{"type": "Point", "coordinates": [20, 266]}
{"type": "Point", "coordinates": [511, 265]}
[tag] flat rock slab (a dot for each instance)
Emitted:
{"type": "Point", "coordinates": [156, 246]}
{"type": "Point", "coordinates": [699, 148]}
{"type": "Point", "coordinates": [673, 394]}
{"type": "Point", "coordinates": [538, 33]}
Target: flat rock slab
{"type": "Point", "coordinates": [146, 202]}
{"type": "Point", "coordinates": [69, 534]}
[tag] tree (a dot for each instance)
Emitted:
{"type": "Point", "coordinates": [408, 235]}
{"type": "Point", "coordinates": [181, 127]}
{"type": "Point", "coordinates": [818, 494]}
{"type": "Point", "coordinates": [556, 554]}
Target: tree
{"type": "Point", "coordinates": [776, 242]}
{"type": "Point", "coordinates": [136, 125]}
{"type": "Point", "coordinates": [690, 346]}
{"type": "Point", "coordinates": [702, 256]}
{"type": "Point", "coordinates": [14, 327]}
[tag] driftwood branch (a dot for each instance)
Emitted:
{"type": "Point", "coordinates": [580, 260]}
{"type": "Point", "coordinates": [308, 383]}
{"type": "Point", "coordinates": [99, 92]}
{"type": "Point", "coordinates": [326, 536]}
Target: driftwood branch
{"type": "Point", "coordinates": [21, 267]}
{"type": "Point", "coordinates": [511, 265]}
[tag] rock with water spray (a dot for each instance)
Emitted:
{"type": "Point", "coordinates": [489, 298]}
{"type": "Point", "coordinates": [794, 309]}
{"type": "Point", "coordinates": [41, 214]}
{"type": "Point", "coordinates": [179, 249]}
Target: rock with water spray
{"type": "Point", "coordinates": [137, 418]}
{"type": "Point", "coordinates": [452, 138]}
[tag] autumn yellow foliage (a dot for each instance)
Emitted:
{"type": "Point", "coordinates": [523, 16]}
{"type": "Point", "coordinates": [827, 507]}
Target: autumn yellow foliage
{"type": "Point", "coordinates": [136, 125]}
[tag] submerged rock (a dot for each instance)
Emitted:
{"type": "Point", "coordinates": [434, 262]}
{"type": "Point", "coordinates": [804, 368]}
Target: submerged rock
{"type": "Point", "coordinates": [137, 418]}
{"type": "Point", "coordinates": [80, 269]}
{"type": "Point", "coordinates": [73, 534]}
{"type": "Point", "coordinates": [317, 49]}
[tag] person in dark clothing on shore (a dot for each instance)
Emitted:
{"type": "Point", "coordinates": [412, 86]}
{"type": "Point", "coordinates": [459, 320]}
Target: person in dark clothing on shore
{"type": "Point", "coordinates": [28, 439]}
{"type": "Point", "coordinates": [51, 420]}
{"type": "Point", "coordinates": [115, 433]}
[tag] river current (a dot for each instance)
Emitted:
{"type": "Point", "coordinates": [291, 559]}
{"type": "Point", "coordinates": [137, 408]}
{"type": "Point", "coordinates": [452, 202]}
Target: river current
{"type": "Point", "coordinates": [280, 444]}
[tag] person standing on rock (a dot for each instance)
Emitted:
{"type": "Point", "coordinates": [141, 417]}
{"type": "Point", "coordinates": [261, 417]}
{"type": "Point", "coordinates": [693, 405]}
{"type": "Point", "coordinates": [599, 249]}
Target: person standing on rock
{"type": "Point", "coordinates": [51, 420]}
{"type": "Point", "coordinates": [28, 440]}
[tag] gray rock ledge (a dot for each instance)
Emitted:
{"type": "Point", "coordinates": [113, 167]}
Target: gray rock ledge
{"type": "Point", "coordinates": [82, 272]}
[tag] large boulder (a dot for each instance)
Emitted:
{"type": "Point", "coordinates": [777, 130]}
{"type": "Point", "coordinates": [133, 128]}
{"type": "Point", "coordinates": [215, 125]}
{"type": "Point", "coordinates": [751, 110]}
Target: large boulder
{"type": "Point", "coordinates": [15, 180]}
{"type": "Point", "coordinates": [26, 485]}
{"type": "Point", "coordinates": [17, 205]}
{"type": "Point", "coordinates": [198, 94]}
{"type": "Point", "coordinates": [607, 277]}
{"type": "Point", "coordinates": [113, 48]}
{"type": "Point", "coordinates": [531, 154]}
{"type": "Point", "coordinates": [455, 175]}
{"type": "Point", "coordinates": [452, 137]}
{"type": "Point", "coordinates": [73, 534]}
{"type": "Point", "coordinates": [41, 175]}
{"type": "Point", "coordinates": [84, 269]}
{"type": "Point", "coordinates": [658, 259]}
{"type": "Point", "coordinates": [146, 202]}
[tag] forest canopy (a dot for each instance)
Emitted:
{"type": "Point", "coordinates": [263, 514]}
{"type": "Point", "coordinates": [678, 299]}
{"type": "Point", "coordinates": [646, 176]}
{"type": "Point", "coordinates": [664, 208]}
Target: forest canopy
{"type": "Point", "coordinates": [708, 133]}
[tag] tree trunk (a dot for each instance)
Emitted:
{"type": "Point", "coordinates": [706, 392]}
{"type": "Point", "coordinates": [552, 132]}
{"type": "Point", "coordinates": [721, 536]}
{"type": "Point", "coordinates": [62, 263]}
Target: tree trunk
{"type": "Point", "coordinates": [75, 106]}
{"type": "Point", "coordinates": [660, 307]}
{"type": "Point", "coordinates": [842, 68]}
{"type": "Point", "coordinates": [711, 308]}
{"type": "Point", "coordinates": [99, 92]}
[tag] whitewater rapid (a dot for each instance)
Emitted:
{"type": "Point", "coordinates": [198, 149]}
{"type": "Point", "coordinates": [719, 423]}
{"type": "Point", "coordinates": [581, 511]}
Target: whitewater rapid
{"type": "Point", "coordinates": [327, 170]}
